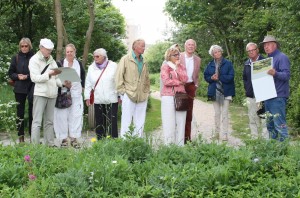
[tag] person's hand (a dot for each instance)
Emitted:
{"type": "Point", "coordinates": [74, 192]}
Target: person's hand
{"type": "Point", "coordinates": [272, 72]}
{"type": "Point", "coordinates": [22, 77]}
{"type": "Point", "coordinates": [54, 72]}
{"type": "Point", "coordinates": [87, 102]}
{"type": "Point", "coordinates": [215, 77]}
{"type": "Point", "coordinates": [68, 84]}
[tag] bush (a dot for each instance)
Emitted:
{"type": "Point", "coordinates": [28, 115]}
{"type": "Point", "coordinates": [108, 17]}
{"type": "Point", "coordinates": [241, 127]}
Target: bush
{"type": "Point", "coordinates": [131, 168]}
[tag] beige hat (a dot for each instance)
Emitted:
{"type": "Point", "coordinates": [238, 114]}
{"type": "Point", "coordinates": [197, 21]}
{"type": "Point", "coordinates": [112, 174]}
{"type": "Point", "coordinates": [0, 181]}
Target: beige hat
{"type": "Point", "coordinates": [47, 43]}
{"type": "Point", "coordinates": [269, 38]}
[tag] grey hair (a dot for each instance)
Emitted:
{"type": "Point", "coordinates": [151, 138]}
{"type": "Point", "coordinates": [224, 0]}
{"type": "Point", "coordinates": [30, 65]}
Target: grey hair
{"type": "Point", "coordinates": [251, 43]}
{"type": "Point", "coordinates": [27, 41]}
{"type": "Point", "coordinates": [213, 48]}
{"type": "Point", "coordinates": [101, 52]}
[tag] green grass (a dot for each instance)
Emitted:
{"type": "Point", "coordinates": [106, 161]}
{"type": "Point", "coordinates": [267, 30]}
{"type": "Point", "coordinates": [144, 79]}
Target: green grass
{"type": "Point", "coordinates": [153, 117]}
{"type": "Point", "coordinates": [239, 120]}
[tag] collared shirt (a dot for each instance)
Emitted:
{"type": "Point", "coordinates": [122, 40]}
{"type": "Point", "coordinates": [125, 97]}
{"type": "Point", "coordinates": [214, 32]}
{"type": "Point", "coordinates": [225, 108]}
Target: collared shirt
{"type": "Point", "coordinates": [139, 63]}
{"type": "Point", "coordinates": [189, 64]}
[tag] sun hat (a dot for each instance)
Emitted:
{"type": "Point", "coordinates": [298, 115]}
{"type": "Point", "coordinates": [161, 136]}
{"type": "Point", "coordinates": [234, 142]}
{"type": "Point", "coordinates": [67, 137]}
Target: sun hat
{"type": "Point", "coordinates": [47, 43]}
{"type": "Point", "coordinates": [269, 38]}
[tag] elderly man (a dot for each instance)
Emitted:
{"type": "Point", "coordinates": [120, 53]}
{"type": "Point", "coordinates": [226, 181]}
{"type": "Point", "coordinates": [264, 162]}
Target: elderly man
{"type": "Point", "coordinates": [254, 120]}
{"type": "Point", "coordinates": [133, 84]}
{"type": "Point", "coordinates": [276, 122]}
{"type": "Point", "coordinates": [45, 91]}
{"type": "Point", "coordinates": [192, 63]}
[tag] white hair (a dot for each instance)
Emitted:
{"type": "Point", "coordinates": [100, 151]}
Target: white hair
{"type": "Point", "coordinates": [213, 48]}
{"type": "Point", "coordinates": [101, 52]}
{"type": "Point", "coordinates": [251, 43]}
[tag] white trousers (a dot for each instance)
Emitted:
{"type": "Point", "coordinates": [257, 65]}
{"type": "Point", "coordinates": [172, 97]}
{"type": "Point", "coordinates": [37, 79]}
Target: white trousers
{"type": "Point", "coordinates": [173, 122]}
{"type": "Point", "coordinates": [69, 121]}
{"type": "Point", "coordinates": [133, 112]}
{"type": "Point", "coordinates": [43, 109]}
{"type": "Point", "coordinates": [221, 116]}
{"type": "Point", "coordinates": [257, 125]}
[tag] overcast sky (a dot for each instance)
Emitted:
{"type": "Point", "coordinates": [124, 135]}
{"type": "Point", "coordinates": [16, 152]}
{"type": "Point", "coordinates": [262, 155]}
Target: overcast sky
{"type": "Point", "coordinates": [146, 13]}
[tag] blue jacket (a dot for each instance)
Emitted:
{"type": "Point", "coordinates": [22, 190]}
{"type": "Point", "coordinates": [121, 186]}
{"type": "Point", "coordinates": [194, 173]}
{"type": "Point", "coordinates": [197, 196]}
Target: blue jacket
{"type": "Point", "coordinates": [247, 78]}
{"type": "Point", "coordinates": [226, 76]}
{"type": "Point", "coordinates": [281, 64]}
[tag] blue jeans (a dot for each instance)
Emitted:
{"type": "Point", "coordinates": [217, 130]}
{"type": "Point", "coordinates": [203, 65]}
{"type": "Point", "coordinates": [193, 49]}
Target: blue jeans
{"type": "Point", "coordinates": [276, 122]}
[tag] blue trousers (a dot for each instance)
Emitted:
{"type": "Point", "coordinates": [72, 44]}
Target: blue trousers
{"type": "Point", "coordinates": [276, 122]}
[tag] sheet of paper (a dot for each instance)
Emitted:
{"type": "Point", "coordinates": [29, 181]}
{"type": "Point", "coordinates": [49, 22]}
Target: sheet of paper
{"type": "Point", "coordinates": [69, 74]}
{"type": "Point", "coordinates": [263, 83]}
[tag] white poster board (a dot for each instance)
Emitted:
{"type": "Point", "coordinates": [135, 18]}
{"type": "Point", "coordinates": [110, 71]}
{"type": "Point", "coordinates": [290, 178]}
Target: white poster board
{"type": "Point", "coordinates": [263, 83]}
{"type": "Point", "coordinates": [69, 74]}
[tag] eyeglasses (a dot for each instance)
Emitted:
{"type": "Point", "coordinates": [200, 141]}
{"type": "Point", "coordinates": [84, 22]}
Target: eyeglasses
{"type": "Point", "coordinates": [24, 46]}
{"type": "Point", "coordinates": [96, 56]}
{"type": "Point", "coordinates": [250, 51]}
{"type": "Point", "coordinates": [175, 55]}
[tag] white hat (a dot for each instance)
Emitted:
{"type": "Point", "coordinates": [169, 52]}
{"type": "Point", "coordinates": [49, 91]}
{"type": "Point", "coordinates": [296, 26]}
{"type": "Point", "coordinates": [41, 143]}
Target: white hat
{"type": "Point", "coordinates": [269, 38]}
{"type": "Point", "coordinates": [47, 43]}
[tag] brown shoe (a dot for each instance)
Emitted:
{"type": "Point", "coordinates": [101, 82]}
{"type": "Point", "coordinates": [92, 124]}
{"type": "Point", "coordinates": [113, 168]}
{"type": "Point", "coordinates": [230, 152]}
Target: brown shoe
{"type": "Point", "coordinates": [74, 143]}
{"type": "Point", "coordinates": [21, 139]}
{"type": "Point", "coordinates": [64, 143]}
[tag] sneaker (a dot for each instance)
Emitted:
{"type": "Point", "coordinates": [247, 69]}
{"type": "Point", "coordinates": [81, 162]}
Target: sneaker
{"type": "Point", "coordinates": [64, 143]}
{"type": "Point", "coordinates": [74, 143]}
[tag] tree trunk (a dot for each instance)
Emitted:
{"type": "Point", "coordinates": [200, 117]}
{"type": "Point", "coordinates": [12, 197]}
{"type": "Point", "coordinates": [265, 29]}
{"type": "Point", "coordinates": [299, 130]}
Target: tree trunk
{"type": "Point", "coordinates": [59, 29]}
{"type": "Point", "coordinates": [89, 31]}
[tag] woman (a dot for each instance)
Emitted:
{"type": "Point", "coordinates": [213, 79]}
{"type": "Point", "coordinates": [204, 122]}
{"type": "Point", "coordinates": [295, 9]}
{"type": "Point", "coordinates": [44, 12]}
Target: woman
{"type": "Point", "coordinates": [106, 98]}
{"type": "Point", "coordinates": [173, 76]}
{"type": "Point", "coordinates": [68, 122]}
{"type": "Point", "coordinates": [219, 73]}
{"type": "Point", "coordinates": [19, 73]}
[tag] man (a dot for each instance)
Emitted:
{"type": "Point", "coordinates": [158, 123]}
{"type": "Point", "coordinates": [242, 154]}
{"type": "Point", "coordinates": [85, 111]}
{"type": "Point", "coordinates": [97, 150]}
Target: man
{"type": "Point", "coordinates": [192, 63]}
{"type": "Point", "coordinates": [133, 84]}
{"type": "Point", "coordinates": [45, 91]}
{"type": "Point", "coordinates": [276, 122]}
{"type": "Point", "coordinates": [254, 120]}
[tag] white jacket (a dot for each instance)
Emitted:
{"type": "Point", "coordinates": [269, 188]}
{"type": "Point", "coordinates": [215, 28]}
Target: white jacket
{"type": "Point", "coordinates": [105, 91]}
{"type": "Point", "coordinates": [44, 85]}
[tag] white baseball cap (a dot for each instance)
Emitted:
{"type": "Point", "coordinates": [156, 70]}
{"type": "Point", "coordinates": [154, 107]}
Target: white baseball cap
{"type": "Point", "coordinates": [47, 43]}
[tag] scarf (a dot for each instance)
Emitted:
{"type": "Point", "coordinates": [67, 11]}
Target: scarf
{"type": "Point", "coordinates": [103, 65]}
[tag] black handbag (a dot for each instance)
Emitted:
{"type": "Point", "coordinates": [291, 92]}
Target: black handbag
{"type": "Point", "coordinates": [63, 100]}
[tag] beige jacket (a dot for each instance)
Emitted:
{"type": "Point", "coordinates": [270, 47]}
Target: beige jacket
{"type": "Point", "coordinates": [128, 80]}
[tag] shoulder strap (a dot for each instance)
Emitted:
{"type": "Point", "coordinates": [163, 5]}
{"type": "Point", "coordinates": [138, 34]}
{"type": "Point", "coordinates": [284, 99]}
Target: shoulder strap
{"type": "Point", "coordinates": [45, 69]}
{"type": "Point", "coordinates": [100, 75]}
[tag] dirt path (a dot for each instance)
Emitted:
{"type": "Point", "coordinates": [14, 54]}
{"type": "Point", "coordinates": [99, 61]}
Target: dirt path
{"type": "Point", "coordinates": [203, 122]}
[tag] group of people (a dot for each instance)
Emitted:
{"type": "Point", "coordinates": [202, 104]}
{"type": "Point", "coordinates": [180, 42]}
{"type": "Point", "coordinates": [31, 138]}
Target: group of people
{"type": "Point", "coordinates": [128, 83]}
{"type": "Point", "coordinates": [179, 73]}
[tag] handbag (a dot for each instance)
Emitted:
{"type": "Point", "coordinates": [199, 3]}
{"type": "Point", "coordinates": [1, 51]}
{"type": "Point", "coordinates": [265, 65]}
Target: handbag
{"type": "Point", "coordinates": [92, 97]}
{"type": "Point", "coordinates": [181, 101]}
{"type": "Point", "coordinates": [64, 99]}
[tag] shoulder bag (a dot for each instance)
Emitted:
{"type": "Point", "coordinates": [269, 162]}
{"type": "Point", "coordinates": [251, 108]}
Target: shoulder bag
{"type": "Point", "coordinates": [181, 101]}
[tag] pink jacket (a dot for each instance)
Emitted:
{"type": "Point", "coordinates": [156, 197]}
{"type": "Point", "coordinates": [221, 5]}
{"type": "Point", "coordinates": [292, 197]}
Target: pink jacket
{"type": "Point", "coordinates": [170, 79]}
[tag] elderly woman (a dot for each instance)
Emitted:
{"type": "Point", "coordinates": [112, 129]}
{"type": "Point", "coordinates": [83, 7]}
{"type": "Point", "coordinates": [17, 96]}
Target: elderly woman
{"type": "Point", "coordinates": [174, 76]}
{"type": "Point", "coordinates": [101, 78]}
{"type": "Point", "coordinates": [219, 73]}
{"type": "Point", "coordinates": [68, 122]}
{"type": "Point", "coordinates": [19, 73]}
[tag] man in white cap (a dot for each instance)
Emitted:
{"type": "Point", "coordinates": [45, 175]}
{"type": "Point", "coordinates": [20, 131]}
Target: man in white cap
{"type": "Point", "coordinates": [45, 91]}
{"type": "Point", "coordinates": [276, 123]}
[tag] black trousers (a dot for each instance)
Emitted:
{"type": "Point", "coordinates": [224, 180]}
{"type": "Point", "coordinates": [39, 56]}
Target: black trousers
{"type": "Point", "coordinates": [106, 117]}
{"type": "Point", "coordinates": [21, 99]}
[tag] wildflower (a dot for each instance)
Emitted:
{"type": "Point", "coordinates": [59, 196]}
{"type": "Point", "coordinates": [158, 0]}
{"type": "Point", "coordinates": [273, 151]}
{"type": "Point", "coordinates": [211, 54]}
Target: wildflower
{"type": "Point", "coordinates": [114, 162]}
{"type": "Point", "coordinates": [93, 140]}
{"type": "Point", "coordinates": [27, 158]}
{"type": "Point", "coordinates": [255, 160]}
{"type": "Point", "coordinates": [31, 177]}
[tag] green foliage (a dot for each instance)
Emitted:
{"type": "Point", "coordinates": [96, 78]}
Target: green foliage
{"type": "Point", "coordinates": [154, 56]}
{"type": "Point", "coordinates": [130, 168]}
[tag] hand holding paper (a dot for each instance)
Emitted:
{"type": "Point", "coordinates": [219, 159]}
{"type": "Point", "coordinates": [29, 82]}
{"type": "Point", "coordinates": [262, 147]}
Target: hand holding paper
{"type": "Point", "coordinates": [68, 74]}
